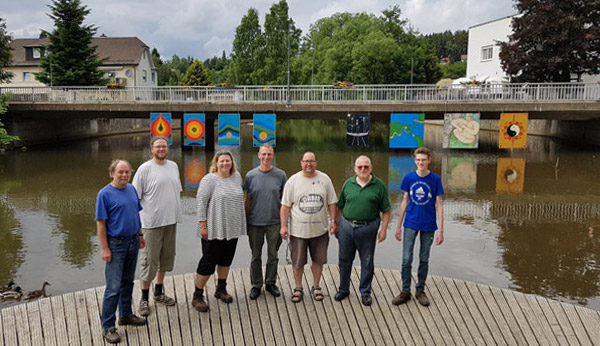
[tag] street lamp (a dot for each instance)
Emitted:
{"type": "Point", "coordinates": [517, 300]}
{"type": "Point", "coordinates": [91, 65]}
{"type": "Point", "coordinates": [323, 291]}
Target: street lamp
{"type": "Point", "coordinates": [288, 69]}
{"type": "Point", "coordinates": [312, 64]}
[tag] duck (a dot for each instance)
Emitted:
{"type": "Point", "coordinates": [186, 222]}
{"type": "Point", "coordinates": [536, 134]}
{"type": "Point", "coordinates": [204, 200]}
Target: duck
{"type": "Point", "coordinates": [7, 287]}
{"type": "Point", "coordinates": [12, 294]}
{"type": "Point", "coordinates": [38, 293]}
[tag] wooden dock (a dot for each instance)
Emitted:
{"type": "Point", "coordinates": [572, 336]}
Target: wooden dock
{"type": "Point", "coordinates": [461, 313]}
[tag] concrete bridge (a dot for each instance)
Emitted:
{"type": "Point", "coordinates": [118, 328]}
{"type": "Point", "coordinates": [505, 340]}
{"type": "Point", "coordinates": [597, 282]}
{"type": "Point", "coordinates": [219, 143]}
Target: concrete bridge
{"type": "Point", "coordinates": [552, 101]}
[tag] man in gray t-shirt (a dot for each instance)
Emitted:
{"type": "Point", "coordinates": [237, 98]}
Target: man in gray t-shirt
{"type": "Point", "coordinates": [263, 186]}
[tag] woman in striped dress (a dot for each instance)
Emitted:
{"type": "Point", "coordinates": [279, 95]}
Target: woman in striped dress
{"type": "Point", "coordinates": [222, 220]}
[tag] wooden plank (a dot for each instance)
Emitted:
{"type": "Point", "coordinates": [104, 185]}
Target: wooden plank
{"type": "Point", "coordinates": [202, 317]}
{"type": "Point", "coordinates": [60, 326]}
{"type": "Point", "coordinates": [94, 316]}
{"type": "Point", "coordinates": [214, 311]}
{"type": "Point", "coordinates": [438, 309]}
{"type": "Point", "coordinates": [226, 310]}
{"type": "Point", "coordinates": [23, 331]}
{"type": "Point", "coordinates": [413, 307]}
{"type": "Point", "coordinates": [571, 318]}
{"type": "Point", "coordinates": [315, 309]}
{"type": "Point", "coordinates": [35, 322]}
{"type": "Point", "coordinates": [263, 335]}
{"type": "Point", "coordinates": [556, 322]}
{"type": "Point", "coordinates": [246, 321]}
{"type": "Point", "coordinates": [271, 306]}
{"type": "Point", "coordinates": [536, 318]}
{"type": "Point", "coordinates": [394, 318]}
{"type": "Point", "coordinates": [302, 326]}
{"type": "Point", "coordinates": [85, 334]}
{"type": "Point", "coordinates": [483, 307]}
{"type": "Point", "coordinates": [330, 305]}
{"type": "Point", "coordinates": [47, 320]}
{"type": "Point", "coordinates": [518, 313]}
{"type": "Point", "coordinates": [427, 314]}
{"type": "Point", "coordinates": [284, 318]}
{"type": "Point", "coordinates": [183, 307]}
{"type": "Point", "coordinates": [590, 320]}
{"type": "Point", "coordinates": [290, 307]}
{"type": "Point", "coordinates": [138, 335]}
{"type": "Point", "coordinates": [172, 313]}
{"type": "Point", "coordinates": [461, 307]}
{"type": "Point", "coordinates": [162, 320]}
{"type": "Point", "coordinates": [239, 302]}
{"type": "Point", "coordinates": [9, 327]}
{"type": "Point", "coordinates": [200, 331]}
{"type": "Point", "coordinates": [497, 309]}
{"type": "Point", "coordinates": [378, 328]}
{"type": "Point", "coordinates": [464, 296]}
{"type": "Point", "coordinates": [453, 316]}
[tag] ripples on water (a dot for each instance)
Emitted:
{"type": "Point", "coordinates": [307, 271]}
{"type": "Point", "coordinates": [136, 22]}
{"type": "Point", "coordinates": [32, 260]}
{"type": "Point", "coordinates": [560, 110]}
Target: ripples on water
{"type": "Point", "coordinates": [539, 234]}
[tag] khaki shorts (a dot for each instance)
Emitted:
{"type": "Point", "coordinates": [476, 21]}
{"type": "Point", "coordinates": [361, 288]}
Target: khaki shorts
{"type": "Point", "coordinates": [317, 247]}
{"type": "Point", "coordinates": [159, 253]}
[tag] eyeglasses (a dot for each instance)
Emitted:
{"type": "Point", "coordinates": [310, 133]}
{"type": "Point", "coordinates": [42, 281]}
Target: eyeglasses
{"type": "Point", "coordinates": [363, 167]}
{"type": "Point", "coordinates": [309, 161]}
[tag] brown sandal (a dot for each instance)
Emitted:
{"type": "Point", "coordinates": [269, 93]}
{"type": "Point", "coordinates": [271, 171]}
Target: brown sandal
{"type": "Point", "coordinates": [297, 295]}
{"type": "Point", "coordinates": [317, 293]}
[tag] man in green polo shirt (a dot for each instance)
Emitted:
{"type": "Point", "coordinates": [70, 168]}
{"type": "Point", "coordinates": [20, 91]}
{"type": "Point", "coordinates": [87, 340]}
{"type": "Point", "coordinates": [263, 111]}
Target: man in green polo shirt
{"type": "Point", "coordinates": [362, 206]}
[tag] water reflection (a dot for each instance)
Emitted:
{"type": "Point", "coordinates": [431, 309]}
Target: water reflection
{"type": "Point", "coordinates": [528, 231]}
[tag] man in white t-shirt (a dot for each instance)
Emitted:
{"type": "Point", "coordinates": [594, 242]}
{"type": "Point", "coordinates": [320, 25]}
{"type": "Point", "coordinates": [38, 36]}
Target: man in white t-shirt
{"type": "Point", "coordinates": [307, 196]}
{"type": "Point", "coordinates": [159, 187]}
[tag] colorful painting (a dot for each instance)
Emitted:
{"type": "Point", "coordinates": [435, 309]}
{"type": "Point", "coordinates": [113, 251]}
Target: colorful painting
{"type": "Point", "coordinates": [459, 174]}
{"type": "Point", "coordinates": [194, 129]}
{"type": "Point", "coordinates": [229, 130]}
{"type": "Point", "coordinates": [398, 167]}
{"type": "Point", "coordinates": [513, 131]}
{"type": "Point", "coordinates": [195, 169]}
{"type": "Point", "coordinates": [357, 130]}
{"type": "Point", "coordinates": [160, 125]}
{"type": "Point", "coordinates": [264, 129]}
{"type": "Point", "coordinates": [461, 131]}
{"type": "Point", "coordinates": [510, 177]}
{"type": "Point", "coordinates": [407, 130]}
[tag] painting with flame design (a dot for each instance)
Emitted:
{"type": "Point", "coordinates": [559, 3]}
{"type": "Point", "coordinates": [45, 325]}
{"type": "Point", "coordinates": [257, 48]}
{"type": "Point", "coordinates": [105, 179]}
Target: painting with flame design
{"type": "Point", "coordinates": [194, 129]}
{"type": "Point", "coordinates": [229, 130]}
{"type": "Point", "coordinates": [160, 125]}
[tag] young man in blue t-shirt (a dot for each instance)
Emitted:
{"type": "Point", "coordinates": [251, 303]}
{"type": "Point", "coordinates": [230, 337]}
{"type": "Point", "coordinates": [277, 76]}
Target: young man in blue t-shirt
{"type": "Point", "coordinates": [421, 204]}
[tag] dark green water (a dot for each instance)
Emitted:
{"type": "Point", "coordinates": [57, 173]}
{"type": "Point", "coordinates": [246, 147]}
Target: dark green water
{"type": "Point", "coordinates": [531, 235]}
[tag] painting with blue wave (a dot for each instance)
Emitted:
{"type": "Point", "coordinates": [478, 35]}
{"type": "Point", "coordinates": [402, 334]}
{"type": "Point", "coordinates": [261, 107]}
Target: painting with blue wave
{"type": "Point", "coordinates": [229, 130]}
{"type": "Point", "coordinates": [264, 129]}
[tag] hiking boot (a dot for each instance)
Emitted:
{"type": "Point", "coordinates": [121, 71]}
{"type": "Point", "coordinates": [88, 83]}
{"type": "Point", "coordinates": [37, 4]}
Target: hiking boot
{"type": "Point", "coordinates": [401, 298]}
{"type": "Point", "coordinates": [144, 308]}
{"type": "Point", "coordinates": [221, 293]}
{"type": "Point", "coordinates": [111, 336]}
{"type": "Point", "coordinates": [254, 293]}
{"type": "Point", "coordinates": [422, 298]}
{"type": "Point", "coordinates": [367, 300]}
{"type": "Point", "coordinates": [199, 304]}
{"type": "Point", "coordinates": [273, 289]}
{"type": "Point", "coordinates": [132, 320]}
{"type": "Point", "coordinates": [164, 300]}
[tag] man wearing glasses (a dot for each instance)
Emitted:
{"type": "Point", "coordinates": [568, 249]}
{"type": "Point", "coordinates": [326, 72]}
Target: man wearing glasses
{"type": "Point", "coordinates": [158, 187]}
{"type": "Point", "coordinates": [362, 206]}
{"type": "Point", "coordinates": [307, 196]}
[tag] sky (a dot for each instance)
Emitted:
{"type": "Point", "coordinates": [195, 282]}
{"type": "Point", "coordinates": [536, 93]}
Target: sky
{"type": "Point", "coordinates": [205, 28]}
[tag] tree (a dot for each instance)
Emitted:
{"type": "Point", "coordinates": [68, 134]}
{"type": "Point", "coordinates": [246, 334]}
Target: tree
{"type": "Point", "coordinates": [553, 41]}
{"type": "Point", "coordinates": [448, 44]}
{"type": "Point", "coordinates": [5, 138]}
{"type": "Point", "coordinates": [246, 55]}
{"type": "Point", "coordinates": [454, 70]}
{"type": "Point", "coordinates": [5, 54]}
{"type": "Point", "coordinates": [196, 75]}
{"type": "Point", "coordinates": [69, 58]}
{"type": "Point", "coordinates": [279, 31]}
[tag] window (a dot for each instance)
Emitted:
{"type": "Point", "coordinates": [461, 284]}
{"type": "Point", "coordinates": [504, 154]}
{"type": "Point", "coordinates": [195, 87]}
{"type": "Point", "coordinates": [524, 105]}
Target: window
{"type": "Point", "coordinates": [111, 74]}
{"type": "Point", "coordinates": [26, 76]}
{"type": "Point", "coordinates": [37, 53]}
{"type": "Point", "coordinates": [153, 76]}
{"type": "Point", "coordinates": [128, 73]}
{"type": "Point", "coordinates": [144, 75]}
{"type": "Point", "coordinates": [486, 52]}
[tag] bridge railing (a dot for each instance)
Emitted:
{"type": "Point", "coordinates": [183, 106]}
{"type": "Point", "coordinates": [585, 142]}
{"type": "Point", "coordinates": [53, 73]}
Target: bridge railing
{"type": "Point", "coordinates": [506, 92]}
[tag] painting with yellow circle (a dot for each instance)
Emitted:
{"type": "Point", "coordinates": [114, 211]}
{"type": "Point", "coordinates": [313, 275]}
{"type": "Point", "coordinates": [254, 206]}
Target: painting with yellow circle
{"type": "Point", "coordinates": [264, 129]}
{"type": "Point", "coordinates": [229, 130]}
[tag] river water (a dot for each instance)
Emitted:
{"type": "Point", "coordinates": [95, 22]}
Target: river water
{"type": "Point", "coordinates": [527, 220]}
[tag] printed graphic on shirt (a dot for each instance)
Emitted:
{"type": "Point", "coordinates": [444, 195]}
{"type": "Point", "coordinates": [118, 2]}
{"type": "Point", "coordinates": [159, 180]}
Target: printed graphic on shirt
{"type": "Point", "coordinates": [311, 203]}
{"type": "Point", "coordinates": [420, 193]}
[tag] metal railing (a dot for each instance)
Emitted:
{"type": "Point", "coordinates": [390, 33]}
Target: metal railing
{"type": "Point", "coordinates": [506, 92]}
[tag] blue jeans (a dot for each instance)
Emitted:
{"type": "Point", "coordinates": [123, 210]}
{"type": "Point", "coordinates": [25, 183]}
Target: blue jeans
{"type": "Point", "coordinates": [362, 238]}
{"type": "Point", "coordinates": [119, 275]}
{"type": "Point", "coordinates": [410, 238]}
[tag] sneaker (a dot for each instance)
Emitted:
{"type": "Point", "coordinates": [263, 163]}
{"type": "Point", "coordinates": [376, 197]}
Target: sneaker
{"type": "Point", "coordinates": [402, 298]}
{"type": "Point", "coordinates": [273, 289]}
{"type": "Point", "coordinates": [111, 336]}
{"type": "Point", "coordinates": [221, 293]}
{"type": "Point", "coordinates": [199, 304]}
{"type": "Point", "coordinates": [144, 308]}
{"type": "Point", "coordinates": [367, 300]}
{"type": "Point", "coordinates": [339, 296]}
{"type": "Point", "coordinates": [254, 293]}
{"type": "Point", "coordinates": [164, 300]}
{"type": "Point", "coordinates": [422, 298]}
{"type": "Point", "coordinates": [132, 320]}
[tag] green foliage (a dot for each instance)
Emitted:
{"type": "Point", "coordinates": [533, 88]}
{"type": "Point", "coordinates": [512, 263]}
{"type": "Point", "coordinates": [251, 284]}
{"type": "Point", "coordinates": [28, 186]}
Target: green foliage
{"type": "Point", "coordinates": [248, 47]}
{"type": "Point", "coordinates": [170, 72]}
{"type": "Point", "coordinates": [217, 68]}
{"type": "Point", "coordinates": [280, 33]}
{"type": "Point", "coordinates": [552, 41]}
{"type": "Point", "coordinates": [454, 70]}
{"type": "Point", "coordinates": [5, 54]}
{"type": "Point", "coordinates": [70, 58]}
{"type": "Point", "coordinates": [449, 45]}
{"type": "Point", "coordinates": [196, 75]}
{"type": "Point", "coordinates": [5, 138]}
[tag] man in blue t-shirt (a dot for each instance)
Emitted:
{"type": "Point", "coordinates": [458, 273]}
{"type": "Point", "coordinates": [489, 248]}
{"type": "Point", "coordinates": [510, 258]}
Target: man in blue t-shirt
{"type": "Point", "coordinates": [421, 204]}
{"type": "Point", "coordinates": [119, 232]}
